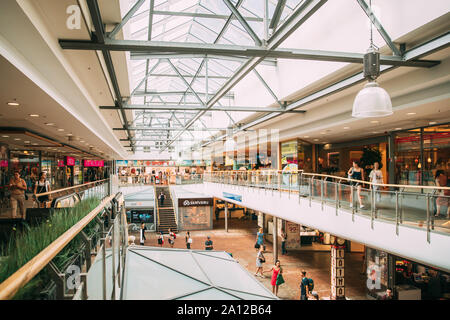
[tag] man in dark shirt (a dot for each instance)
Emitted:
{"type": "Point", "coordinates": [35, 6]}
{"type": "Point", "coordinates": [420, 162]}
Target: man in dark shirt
{"type": "Point", "coordinates": [208, 243]}
{"type": "Point", "coordinates": [304, 289]}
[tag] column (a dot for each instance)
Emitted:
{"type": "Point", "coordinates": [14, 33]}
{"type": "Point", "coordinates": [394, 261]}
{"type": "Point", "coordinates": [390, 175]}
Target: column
{"type": "Point", "coordinates": [226, 216]}
{"type": "Point", "coordinates": [337, 270]}
{"type": "Point", "coordinates": [275, 239]}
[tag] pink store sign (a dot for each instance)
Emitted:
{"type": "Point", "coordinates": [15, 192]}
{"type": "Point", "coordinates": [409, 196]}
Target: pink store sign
{"type": "Point", "coordinates": [94, 163]}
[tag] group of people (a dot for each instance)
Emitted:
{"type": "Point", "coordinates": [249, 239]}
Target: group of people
{"type": "Point", "coordinates": [306, 284]}
{"type": "Point", "coordinates": [171, 238]}
{"type": "Point", "coordinates": [18, 188]}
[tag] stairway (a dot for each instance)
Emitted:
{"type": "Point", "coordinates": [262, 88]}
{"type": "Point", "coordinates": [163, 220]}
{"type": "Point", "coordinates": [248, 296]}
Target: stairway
{"type": "Point", "coordinates": [166, 212]}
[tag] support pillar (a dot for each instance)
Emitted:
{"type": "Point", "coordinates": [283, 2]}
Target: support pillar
{"type": "Point", "coordinates": [226, 216]}
{"type": "Point", "coordinates": [275, 239]}
{"type": "Point", "coordinates": [337, 270]}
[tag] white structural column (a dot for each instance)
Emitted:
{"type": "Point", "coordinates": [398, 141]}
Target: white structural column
{"type": "Point", "coordinates": [226, 216]}
{"type": "Point", "coordinates": [275, 239]}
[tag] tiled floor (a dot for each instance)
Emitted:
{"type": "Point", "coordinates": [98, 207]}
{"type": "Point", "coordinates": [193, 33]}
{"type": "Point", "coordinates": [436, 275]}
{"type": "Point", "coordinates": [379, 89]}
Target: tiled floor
{"type": "Point", "coordinates": [240, 241]}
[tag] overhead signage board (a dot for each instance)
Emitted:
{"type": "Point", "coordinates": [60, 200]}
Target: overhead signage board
{"type": "Point", "coordinates": [195, 202]}
{"type": "Point", "coordinates": [231, 196]}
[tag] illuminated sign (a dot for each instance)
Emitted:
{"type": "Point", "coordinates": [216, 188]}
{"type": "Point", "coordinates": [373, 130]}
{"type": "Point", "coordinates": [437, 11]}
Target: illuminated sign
{"type": "Point", "coordinates": [3, 163]}
{"type": "Point", "coordinates": [60, 163]}
{"type": "Point", "coordinates": [70, 161]}
{"type": "Point", "coordinates": [93, 163]}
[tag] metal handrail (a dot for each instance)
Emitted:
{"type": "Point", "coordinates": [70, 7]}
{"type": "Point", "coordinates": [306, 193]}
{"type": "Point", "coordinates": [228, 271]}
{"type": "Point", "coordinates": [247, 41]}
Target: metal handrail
{"type": "Point", "coordinates": [329, 176]}
{"type": "Point", "coordinates": [21, 277]}
{"type": "Point", "coordinates": [70, 188]}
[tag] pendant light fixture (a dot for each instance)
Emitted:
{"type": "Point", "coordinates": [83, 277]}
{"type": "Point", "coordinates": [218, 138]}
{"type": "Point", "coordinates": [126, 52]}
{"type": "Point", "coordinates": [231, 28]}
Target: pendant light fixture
{"type": "Point", "coordinates": [372, 100]}
{"type": "Point", "coordinates": [230, 144]}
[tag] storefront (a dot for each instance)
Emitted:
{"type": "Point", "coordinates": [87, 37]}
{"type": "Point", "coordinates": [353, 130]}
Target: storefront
{"type": "Point", "coordinates": [419, 153]}
{"type": "Point", "coordinates": [409, 280]}
{"type": "Point", "coordinates": [296, 155]}
{"type": "Point", "coordinates": [140, 208]}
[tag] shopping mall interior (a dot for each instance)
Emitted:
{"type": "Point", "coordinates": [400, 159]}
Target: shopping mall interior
{"type": "Point", "coordinates": [225, 150]}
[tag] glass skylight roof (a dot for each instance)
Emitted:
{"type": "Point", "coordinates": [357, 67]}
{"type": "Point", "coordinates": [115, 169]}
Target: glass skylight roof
{"type": "Point", "coordinates": [190, 21]}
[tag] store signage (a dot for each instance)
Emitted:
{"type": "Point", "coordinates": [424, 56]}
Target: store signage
{"type": "Point", "coordinates": [3, 163]}
{"type": "Point", "coordinates": [232, 196]}
{"type": "Point", "coordinates": [70, 161]}
{"type": "Point", "coordinates": [60, 163]}
{"type": "Point", "coordinates": [337, 272]}
{"type": "Point", "coordinates": [439, 135]}
{"type": "Point", "coordinates": [93, 163]}
{"type": "Point", "coordinates": [197, 202]}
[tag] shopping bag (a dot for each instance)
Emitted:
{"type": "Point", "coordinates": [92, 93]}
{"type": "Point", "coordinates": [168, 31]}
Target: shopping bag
{"type": "Point", "coordinates": [280, 279]}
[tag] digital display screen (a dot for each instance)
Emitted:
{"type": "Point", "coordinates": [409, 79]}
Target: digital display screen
{"type": "Point", "coordinates": [139, 216]}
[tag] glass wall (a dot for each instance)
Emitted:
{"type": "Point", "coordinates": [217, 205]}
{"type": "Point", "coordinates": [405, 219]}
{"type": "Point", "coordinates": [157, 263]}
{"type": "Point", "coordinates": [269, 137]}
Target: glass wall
{"type": "Point", "coordinates": [419, 153]}
{"type": "Point", "coordinates": [296, 155]}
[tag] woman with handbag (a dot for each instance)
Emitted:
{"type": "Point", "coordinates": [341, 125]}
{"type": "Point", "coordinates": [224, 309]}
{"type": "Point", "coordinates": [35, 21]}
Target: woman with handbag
{"type": "Point", "coordinates": [259, 239]}
{"type": "Point", "coordinates": [259, 261]}
{"type": "Point", "coordinates": [188, 240]}
{"type": "Point", "coordinates": [277, 277]}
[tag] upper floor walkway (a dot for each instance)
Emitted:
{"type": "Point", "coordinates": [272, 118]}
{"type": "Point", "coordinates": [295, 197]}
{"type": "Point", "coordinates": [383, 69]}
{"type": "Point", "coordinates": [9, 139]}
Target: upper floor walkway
{"type": "Point", "coordinates": [400, 219]}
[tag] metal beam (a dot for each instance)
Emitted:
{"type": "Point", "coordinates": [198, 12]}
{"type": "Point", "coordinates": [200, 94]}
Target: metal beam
{"type": "Point", "coordinates": [201, 15]}
{"type": "Point", "coordinates": [172, 93]}
{"type": "Point", "coordinates": [277, 14]}
{"type": "Point", "coordinates": [243, 22]}
{"type": "Point", "coordinates": [297, 18]}
{"type": "Point", "coordinates": [168, 129]}
{"type": "Point", "coordinates": [379, 27]}
{"type": "Point", "coordinates": [268, 88]}
{"type": "Point", "coordinates": [99, 37]}
{"type": "Point", "coordinates": [199, 108]}
{"type": "Point", "coordinates": [143, 47]}
{"type": "Point", "coordinates": [185, 82]}
{"type": "Point", "coordinates": [125, 19]}
{"type": "Point", "coordinates": [424, 49]}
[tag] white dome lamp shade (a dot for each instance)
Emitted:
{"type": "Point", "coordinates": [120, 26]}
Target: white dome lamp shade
{"type": "Point", "coordinates": [372, 100]}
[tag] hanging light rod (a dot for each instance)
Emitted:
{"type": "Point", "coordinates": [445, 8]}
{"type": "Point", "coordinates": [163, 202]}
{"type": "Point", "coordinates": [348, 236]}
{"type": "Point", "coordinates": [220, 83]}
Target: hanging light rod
{"type": "Point", "coordinates": [200, 108]}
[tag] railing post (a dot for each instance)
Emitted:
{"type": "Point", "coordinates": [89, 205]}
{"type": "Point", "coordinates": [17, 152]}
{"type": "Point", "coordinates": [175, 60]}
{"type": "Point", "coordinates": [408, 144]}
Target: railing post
{"type": "Point", "coordinates": [299, 181]}
{"type": "Point", "coordinates": [103, 244]}
{"type": "Point", "coordinates": [87, 250]}
{"type": "Point", "coordinates": [321, 192]}
{"type": "Point", "coordinates": [336, 197]}
{"type": "Point", "coordinates": [113, 261]}
{"type": "Point", "coordinates": [310, 189]}
{"type": "Point", "coordinates": [352, 191]}
{"type": "Point", "coordinates": [428, 218]}
{"type": "Point", "coordinates": [289, 185]}
{"type": "Point", "coordinates": [397, 215]}
{"type": "Point", "coordinates": [372, 200]}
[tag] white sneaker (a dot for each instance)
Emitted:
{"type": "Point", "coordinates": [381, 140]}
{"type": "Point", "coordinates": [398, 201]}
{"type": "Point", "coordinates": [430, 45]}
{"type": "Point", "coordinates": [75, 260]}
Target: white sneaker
{"type": "Point", "coordinates": [361, 206]}
{"type": "Point", "coordinates": [351, 205]}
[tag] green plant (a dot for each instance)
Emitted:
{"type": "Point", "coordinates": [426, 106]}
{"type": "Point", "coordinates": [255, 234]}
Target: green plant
{"type": "Point", "coordinates": [34, 238]}
{"type": "Point", "coordinates": [369, 157]}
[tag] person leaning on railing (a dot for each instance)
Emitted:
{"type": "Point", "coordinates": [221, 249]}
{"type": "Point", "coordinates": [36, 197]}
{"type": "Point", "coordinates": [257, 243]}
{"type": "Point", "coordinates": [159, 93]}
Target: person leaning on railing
{"type": "Point", "coordinates": [444, 195]}
{"type": "Point", "coordinates": [18, 187]}
{"type": "Point", "coordinates": [41, 186]}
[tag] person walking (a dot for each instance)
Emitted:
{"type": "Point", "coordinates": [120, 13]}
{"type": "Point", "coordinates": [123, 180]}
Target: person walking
{"type": "Point", "coordinates": [172, 238]}
{"type": "Point", "coordinates": [208, 243]}
{"type": "Point", "coordinates": [277, 278]}
{"type": "Point", "coordinates": [356, 173]}
{"type": "Point", "coordinates": [283, 241]}
{"type": "Point", "coordinates": [259, 239]}
{"type": "Point", "coordinates": [142, 237]}
{"type": "Point", "coordinates": [18, 186]}
{"type": "Point", "coordinates": [160, 239]}
{"type": "Point", "coordinates": [376, 176]}
{"type": "Point", "coordinates": [443, 200]}
{"type": "Point", "coordinates": [162, 196]}
{"type": "Point", "coordinates": [260, 259]}
{"type": "Point", "coordinates": [304, 287]}
{"type": "Point", "coordinates": [188, 240]}
{"type": "Point", "coordinates": [41, 186]}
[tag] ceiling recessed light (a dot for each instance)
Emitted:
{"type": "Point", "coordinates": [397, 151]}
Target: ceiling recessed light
{"type": "Point", "coordinates": [374, 121]}
{"type": "Point", "coordinates": [69, 134]}
{"type": "Point", "coordinates": [411, 113]}
{"type": "Point", "coordinates": [34, 144]}
{"type": "Point", "coordinates": [375, 132]}
{"type": "Point", "coordinates": [398, 128]}
{"type": "Point", "coordinates": [34, 115]}
{"type": "Point", "coordinates": [305, 136]}
{"type": "Point", "coordinates": [432, 122]}
{"type": "Point", "coordinates": [17, 139]}
{"type": "Point", "coordinates": [13, 103]}
{"type": "Point", "coordinates": [323, 133]}
{"type": "Point", "coordinates": [27, 141]}
{"type": "Point", "coordinates": [316, 139]}
{"type": "Point", "coordinates": [82, 141]}
{"type": "Point", "coordinates": [49, 124]}
{"type": "Point", "coordinates": [5, 136]}
{"type": "Point", "coordinates": [60, 129]}
{"type": "Point", "coordinates": [346, 128]}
